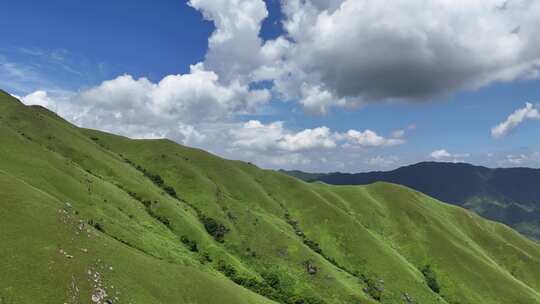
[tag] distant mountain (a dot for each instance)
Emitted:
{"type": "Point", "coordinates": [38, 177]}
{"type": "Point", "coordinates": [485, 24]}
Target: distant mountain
{"type": "Point", "coordinates": [511, 196]}
{"type": "Point", "coordinates": [92, 217]}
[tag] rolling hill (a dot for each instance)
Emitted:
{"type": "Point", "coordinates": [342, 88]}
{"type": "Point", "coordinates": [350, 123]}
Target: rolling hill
{"type": "Point", "coordinates": [91, 217]}
{"type": "Point", "coordinates": [507, 195]}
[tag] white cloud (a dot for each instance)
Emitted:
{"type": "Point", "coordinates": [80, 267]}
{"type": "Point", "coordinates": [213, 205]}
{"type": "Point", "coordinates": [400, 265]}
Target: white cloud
{"type": "Point", "coordinates": [40, 98]}
{"type": "Point", "coordinates": [274, 136]}
{"type": "Point", "coordinates": [329, 57]}
{"type": "Point", "coordinates": [257, 136]}
{"type": "Point", "coordinates": [173, 107]}
{"type": "Point", "coordinates": [273, 145]}
{"type": "Point", "coordinates": [197, 96]}
{"type": "Point", "coordinates": [515, 119]}
{"type": "Point", "coordinates": [318, 138]}
{"type": "Point", "coordinates": [447, 45]}
{"type": "Point", "coordinates": [316, 100]}
{"type": "Point", "coordinates": [369, 138]}
{"type": "Point", "coordinates": [440, 154]}
{"type": "Point", "coordinates": [443, 154]}
{"type": "Point", "coordinates": [235, 50]}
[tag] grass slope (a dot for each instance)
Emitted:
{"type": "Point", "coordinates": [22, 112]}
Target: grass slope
{"type": "Point", "coordinates": [86, 213]}
{"type": "Point", "coordinates": [507, 195]}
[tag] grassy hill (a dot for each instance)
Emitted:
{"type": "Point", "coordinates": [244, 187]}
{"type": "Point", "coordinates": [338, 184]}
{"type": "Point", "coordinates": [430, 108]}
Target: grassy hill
{"type": "Point", "coordinates": [507, 195]}
{"type": "Point", "coordinates": [91, 217]}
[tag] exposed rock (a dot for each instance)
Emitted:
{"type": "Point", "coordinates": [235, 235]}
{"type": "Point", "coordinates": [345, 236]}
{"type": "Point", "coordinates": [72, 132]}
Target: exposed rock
{"type": "Point", "coordinates": [311, 268]}
{"type": "Point", "coordinates": [99, 295]}
{"type": "Point", "coordinates": [408, 299]}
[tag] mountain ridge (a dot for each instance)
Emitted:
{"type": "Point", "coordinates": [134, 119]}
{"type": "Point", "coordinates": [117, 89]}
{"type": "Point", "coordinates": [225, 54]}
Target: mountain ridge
{"type": "Point", "coordinates": [90, 215]}
{"type": "Point", "coordinates": [508, 195]}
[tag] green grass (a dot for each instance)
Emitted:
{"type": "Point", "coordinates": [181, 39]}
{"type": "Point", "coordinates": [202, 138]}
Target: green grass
{"type": "Point", "coordinates": [366, 244]}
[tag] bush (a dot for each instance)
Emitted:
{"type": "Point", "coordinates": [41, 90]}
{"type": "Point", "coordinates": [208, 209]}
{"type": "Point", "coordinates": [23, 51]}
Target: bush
{"type": "Point", "coordinates": [205, 258]}
{"type": "Point", "coordinates": [431, 278]}
{"type": "Point", "coordinates": [271, 279]}
{"type": "Point", "coordinates": [146, 203]}
{"type": "Point", "coordinates": [270, 287]}
{"type": "Point", "coordinates": [191, 244]}
{"type": "Point", "coordinates": [170, 190]}
{"type": "Point", "coordinates": [214, 228]}
{"type": "Point", "coordinates": [226, 269]}
{"type": "Point", "coordinates": [155, 178]}
{"type": "Point", "coordinates": [96, 225]}
{"type": "Point", "coordinates": [373, 289]}
{"type": "Point", "coordinates": [165, 221]}
{"type": "Point", "coordinates": [313, 245]}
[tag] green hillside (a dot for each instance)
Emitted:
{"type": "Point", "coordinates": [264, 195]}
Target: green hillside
{"type": "Point", "coordinates": [506, 195]}
{"type": "Point", "coordinates": [90, 217]}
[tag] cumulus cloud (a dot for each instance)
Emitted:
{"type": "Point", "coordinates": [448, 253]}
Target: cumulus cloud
{"type": "Point", "coordinates": [194, 97]}
{"type": "Point", "coordinates": [170, 108]}
{"type": "Point", "coordinates": [256, 135]}
{"type": "Point", "coordinates": [39, 98]}
{"type": "Point", "coordinates": [235, 50]}
{"type": "Point", "coordinates": [272, 144]}
{"type": "Point", "coordinates": [410, 50]}
{"type": "Point", "coordinates": [235, 44]}
{"type": "Point", "coordinates": [515, 119]}
{"type": "Point", "coordinates": [443, 154]}
{"type": "Point", "coordinates": [440, 154]}
{"type": "Point", "coordinates": [369, 138]}
{"type": "Point", "coordinates": [274, 137]}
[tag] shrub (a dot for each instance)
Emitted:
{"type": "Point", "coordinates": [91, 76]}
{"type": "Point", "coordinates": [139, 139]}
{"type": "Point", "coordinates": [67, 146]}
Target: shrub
{"type": "Point", "coordinates": [310, 300]}
{"type": "Point", "coordinates": [270, 287]}
{"type": "Point", "coordinates": [271, 279]}
{"type": "Point", "coordinates": [227, 269]}
{"type": "Point", "coordinates": [165, 221]}
{"type": "Point", "coordinates": [146, 203]}
{"type": "Point", "coordinates": [373, 289]}
{"type": "Point", "coordinates": [214, 228]}
{"type": "Point", "coordinates": [313, 245]}
{"type": "Point", "coordinates": [96, 225]}
{"type": "Point", "coordinates": [170, 190]}
{"type": "Point", "coordinates": [431, 278]}
{"type": "Point", "coordinates": [155, 178]}
{"type": "Point", "coordinates": [191, 244]}
{"type": "Point", "coordinates": [205, 258]}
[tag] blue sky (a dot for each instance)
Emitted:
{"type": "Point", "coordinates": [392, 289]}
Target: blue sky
{"type": "Point", "coordinates": [267, 90]}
